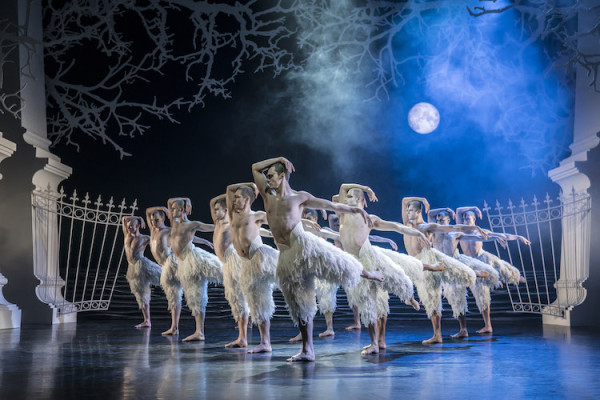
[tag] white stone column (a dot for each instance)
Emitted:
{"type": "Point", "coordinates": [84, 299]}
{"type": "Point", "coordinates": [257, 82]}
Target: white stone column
{"type": "Point", "coordinates": [576, 228]}
{"type": "Point", "coordinates": [47, 179]}
{"type": "Point", "coordinates": [10, 314]}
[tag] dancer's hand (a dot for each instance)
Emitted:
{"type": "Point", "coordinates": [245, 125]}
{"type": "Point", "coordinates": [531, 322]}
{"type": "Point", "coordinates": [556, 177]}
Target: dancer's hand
{"type": "Point", "coordinates": [365, 217]}
{"type": "Point", "coordinates": [424, 241]}
{"type": "Point", "coordinates": [288, 165]}
{"type": "Point", "coordinates": [371, 195]}
{"type": "Point", "coordinates": [393, 244]}
{"type": "Point", "coordinates": [524, 240]}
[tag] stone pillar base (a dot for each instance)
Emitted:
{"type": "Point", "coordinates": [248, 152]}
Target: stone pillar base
{"type": "Point", "coordinates": [10, 316]}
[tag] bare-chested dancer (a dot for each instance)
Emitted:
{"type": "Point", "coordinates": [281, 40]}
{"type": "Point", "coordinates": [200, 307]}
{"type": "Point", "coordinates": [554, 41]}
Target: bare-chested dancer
{"type": "Point", "coordinates": [141, 272]}
{"type": "Point", "coordinates": [370, 297]}
{"type": "Point", "coordinates": [326, 292]}
{"type": "Point", "coordinates": [429, 288]}
{"type": "Point", "coordinates": [447, 243]}
{"type": "Point", "coordinates": [195, 266]}
{"type": "Point", "coordinates": [162, 253]}
{"type": "Point", "coordinates": [259, 261]}
{"type": "Point", "coordinates": [302, 256]}
{"type": "Point", "coordinates": [232, 268]}
{"type": "Point", "coordinates": [334, 226]}
{"type": "Point", "coordinates": [508, 273]}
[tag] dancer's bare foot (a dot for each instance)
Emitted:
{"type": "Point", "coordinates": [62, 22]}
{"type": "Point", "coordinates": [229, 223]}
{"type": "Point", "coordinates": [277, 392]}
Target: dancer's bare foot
{"type": "Point", "coordinates": [370, 349]}
{"type": "Point", "coordinates": [438, 267]}
{"type": "Point", "coordinates": [461, 334]}
{"type": "Point", "coordinates": [482, 274]}
{"type": "Point", "coordinates": [237, 343]}
{"type": "Point", "coordinates": [522, 280]}
{"type": "Point", "coordinates": [355, 326]}
{"type": "Point", "coordinates": [382, 345]}
{"type": "Point", "coordinates": [413, 303]}
{"type": "Point", "coordinates": [485, 329]}
{"type": "Point", "coordinates": [195, 337]}
{"type": "Point", "coordinates": [261, 348]}
{"type": "Point", "coordinates": [433, 340]}
{"type": "Point", "coordinates": [373, 275]}
{"type": "Point", "coordinates": [328, 332]}
{"type": "Point", "coordinates": [145, 324]}
{"type": "Point", "coordinates": [296, 338]}
{"type": "Point", "coordinates": [170, 332]}
{"type": "Point", "coordinates": [302, 357]}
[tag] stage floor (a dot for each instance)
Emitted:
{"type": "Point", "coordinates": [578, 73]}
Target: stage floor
{"type": "Point", "coordinates": [113, 360]}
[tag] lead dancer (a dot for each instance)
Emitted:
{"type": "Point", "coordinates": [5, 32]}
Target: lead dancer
{"type": "Point", "coordinates": [303, 256]}
{"type": "Point", "coordinates": [508, 273]}
{"type": "Point", "coordinates": [259, 261]}
{"type": "Point", "coordinates": [372, 298]}
{"type": "Point", "coordinates": [195, 266]}
{"type": "Point", "coordinates": [141, 272]}
{"type": "Point", "coordinates": [429, 289]}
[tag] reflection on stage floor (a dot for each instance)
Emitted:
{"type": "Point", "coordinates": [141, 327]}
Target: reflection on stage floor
{"type": "Point", "coordinates": [114, 360]}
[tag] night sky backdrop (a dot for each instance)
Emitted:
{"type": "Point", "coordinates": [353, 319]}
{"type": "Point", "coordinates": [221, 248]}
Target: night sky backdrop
{"type": "Point", "coordinates": [501, 106]}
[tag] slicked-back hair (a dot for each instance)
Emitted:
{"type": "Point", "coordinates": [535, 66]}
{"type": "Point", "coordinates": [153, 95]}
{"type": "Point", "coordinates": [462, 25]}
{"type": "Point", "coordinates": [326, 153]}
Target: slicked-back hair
{"type": "Point", "coordinates": [279, 168]}
{"type": "Point", "coordinates": [223, 202]}
{"type": "Point", "coordinates": [416, 204]}
{"type": "Point", "coordinates": [184, 201]}
{"type": "Point", "coordinates": [247, 192]}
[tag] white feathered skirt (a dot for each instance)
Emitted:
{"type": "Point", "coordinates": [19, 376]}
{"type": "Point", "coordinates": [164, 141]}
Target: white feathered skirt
{"type": "Point", "coordinates": [195, 268]}
{"type": "Point", "coordinates": [309, 257]}
{"type": "Point", "coordinates": [508, 273]}
{"type": "Point", "coordinates": [326, 296]}
{"type": "Point", "coordinates": [141, 275]}
{"type": "Point", "coordinates": [456, 277]}
{"type": "Point", "coordinates": [232, 281]}
{"type": "Point", "coordinates": [170, 283]}
{"type": "Point", "coordinates": [371, 297]}
{"type": "Point", "coordinates": [258, 279]}
{"type": "Point", "coordinates": [482, 286]}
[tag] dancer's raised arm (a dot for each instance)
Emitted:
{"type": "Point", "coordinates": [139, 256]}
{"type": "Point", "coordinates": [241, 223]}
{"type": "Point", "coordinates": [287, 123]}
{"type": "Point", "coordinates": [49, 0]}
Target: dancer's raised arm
{"type": "Point", "coordinates": [259, 168]}
{"type": "Point", "coordinates": [346, 187]}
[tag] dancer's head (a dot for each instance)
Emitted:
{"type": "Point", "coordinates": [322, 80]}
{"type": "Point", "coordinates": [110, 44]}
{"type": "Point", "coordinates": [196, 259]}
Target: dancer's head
{"type": "Point", "coordinates": [356, 198]}
{"type": "Point", "coordinates": [443, 218]}
{"type": "Point", "coordinates": [156, 217]}
{"type": "Point", "coordinates": [133, 225]}
{"type": "Point", "coordinates": [413, 210]}
{"type": "Point", "coordinates": [219, 210]}
{"type": "Point", "coordinates": [276, 174]}
{"type": "Point", "coordinates": [334, 222]}
{"type": "Point", "coordinates": [310, 214]}
{"type": "Point", "coordinates": [179, 207]}
{"type": "Point", "coordinates": [243, 198]}
{"type": "Point", "coordinates": [469, 218]}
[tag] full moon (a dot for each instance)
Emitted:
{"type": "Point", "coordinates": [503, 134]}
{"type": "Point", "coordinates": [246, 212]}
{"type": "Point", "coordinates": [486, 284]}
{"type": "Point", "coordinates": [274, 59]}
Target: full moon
{"type": "Point", "coordinates": [423, 118]}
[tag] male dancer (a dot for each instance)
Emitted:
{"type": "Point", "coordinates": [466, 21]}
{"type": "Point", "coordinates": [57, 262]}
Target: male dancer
{"type": "Point", "coordinates": [508, 273]}
{"type": "Point", "coordinates": [302, 256]}
{"type": "Point", "coordinates": [195, 266]}
{"type": "Point", "coordinates": [232, 268]}
{"type": "Point", "coordinates": [372, 298]}
{"type": "Point", "coordinates": [447, 243]}
{"type": "Point", "coordinates": [162, 253]}
{"type": "Point", "coordinates": [141, 272]}
{"type": "Point", "coordinates": [259, 261]}
{"type": "Point", "coordinates": [429, 288]}
{"type": "Point", "coordinates": [326, 292]}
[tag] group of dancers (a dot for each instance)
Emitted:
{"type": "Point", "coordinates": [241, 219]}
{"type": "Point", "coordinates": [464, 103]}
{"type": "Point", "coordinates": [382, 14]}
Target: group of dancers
{"type": "Point", "coordinates": [305, 266]}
